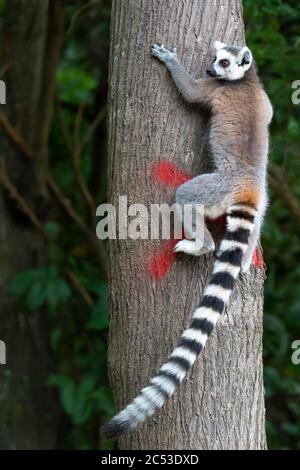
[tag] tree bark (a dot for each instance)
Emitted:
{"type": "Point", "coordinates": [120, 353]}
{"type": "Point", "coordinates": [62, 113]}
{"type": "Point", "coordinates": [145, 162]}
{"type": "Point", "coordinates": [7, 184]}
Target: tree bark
{"type": "Point", "coordinates": [28, 409]}
{"type": "Point", "coordinates": [221, 403]}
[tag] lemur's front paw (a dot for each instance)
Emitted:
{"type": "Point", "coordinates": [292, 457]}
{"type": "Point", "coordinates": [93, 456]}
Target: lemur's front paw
{"type": "Point", "coordinates": [163, 54]}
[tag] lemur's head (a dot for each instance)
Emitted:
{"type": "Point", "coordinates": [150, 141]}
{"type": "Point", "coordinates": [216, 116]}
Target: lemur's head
{"type": "Point", "coordinates": [231, 62]}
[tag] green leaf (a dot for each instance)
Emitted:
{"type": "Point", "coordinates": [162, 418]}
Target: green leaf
{"type": "Point", "coordinates": [22, 282]}
{"type": "Point", "coordinates": [63, 291]}
{"type": "Point", "coordinates": [60, 381]}
{"type": "Point", "coordinates": [103, 398]}
{"type": "Point", "coordinates": [76, 400]}
{"type": "Point", "coordinates": [35, 297]}
{"type": "Point", "coordinates": [82, 411]}
{"type": "Point", "coordinates": [57, 292]}
{"type": "Point", "coordinates": [86, 386]}
{"type": "Point", "coordinates": [75, 84]}
{"type": "Point", "coordinates": [43, 285]}
{"type": "Point", "coordinates": [99, 316]}
{"type": "Point", "coordinates": [67, 391]}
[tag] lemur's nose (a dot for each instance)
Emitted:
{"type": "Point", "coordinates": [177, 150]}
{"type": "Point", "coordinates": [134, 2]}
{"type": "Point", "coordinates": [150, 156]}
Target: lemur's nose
{"type": "Point", "coordinates": [211, 72]}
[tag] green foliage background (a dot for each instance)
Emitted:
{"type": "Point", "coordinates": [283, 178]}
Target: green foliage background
{"type": "Point", "coordinates": [78, 332]}
{"type": "Point", "coordinates": [272, 31]}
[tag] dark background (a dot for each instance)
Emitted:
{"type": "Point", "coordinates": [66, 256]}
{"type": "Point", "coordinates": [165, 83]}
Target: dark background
{"type": "Point", "coordinates": [68, 286]}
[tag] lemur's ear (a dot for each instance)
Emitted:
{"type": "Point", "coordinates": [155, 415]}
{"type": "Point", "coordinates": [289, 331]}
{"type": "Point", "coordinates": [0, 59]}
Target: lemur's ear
{"type": "Point", "coordinates": [245, 56]}
{"type": "Point", "coordinates": [219, 45]}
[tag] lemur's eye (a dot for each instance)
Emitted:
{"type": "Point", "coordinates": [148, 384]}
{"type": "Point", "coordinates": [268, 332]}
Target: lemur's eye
{"type": "Point", "coordinates": [224, 63]}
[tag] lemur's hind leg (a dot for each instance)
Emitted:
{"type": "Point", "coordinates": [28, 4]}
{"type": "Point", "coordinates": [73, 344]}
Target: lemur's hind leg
{"type": "Point", "coordinates": [212, 192]}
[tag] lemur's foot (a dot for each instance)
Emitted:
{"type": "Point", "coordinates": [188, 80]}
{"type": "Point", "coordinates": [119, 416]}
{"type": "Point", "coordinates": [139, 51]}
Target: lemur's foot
{"type": "Point", "coordinates": [194, 247]}
{"type": "Point", "coordinates": [163, 54]}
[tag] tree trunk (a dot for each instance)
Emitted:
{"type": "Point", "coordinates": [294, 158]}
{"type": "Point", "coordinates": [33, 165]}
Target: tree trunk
{"type": "Point", "coordinates": [221, 403]}
{"type": "Point", "coordinates": [28, 409]}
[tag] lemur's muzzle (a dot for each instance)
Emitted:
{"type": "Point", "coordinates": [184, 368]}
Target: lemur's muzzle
{"type": "Point", "coordinates": [211, 72]}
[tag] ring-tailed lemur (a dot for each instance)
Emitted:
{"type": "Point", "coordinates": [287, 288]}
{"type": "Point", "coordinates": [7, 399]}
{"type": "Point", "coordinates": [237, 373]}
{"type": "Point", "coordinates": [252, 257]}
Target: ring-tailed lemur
{"type": "Point", "coordinates": [240, 113]}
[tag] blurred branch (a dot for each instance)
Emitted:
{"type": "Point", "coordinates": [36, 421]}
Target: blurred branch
{"type": "Point", "coordinates": [98, 144]}
{"type": "Point", "coordinates": [6, 67]}
{"type": "Point", "coordinates": [97, 121]}
{"type": "Point", "coordinates": [75, 149]}
{"type": "Point", "coordinates": [78, 122]}
{"type": "Point", "coordinates": [79, 12]}
{"type": "Point", "coordinates": [76, 154]}
{"type": "Point", "coordinates": [65, 203]}
{"type": "Point", "coordinates": [49, 60]}
{"type": "Point", "coordinates": [80, 288]}
{"type": "Point", "coordinates": [16, 196]}
{"type": "Point", "coordinates": [279, 184]}
{"type": "Point", "coordinates": [65, 133]}
{"type": "Point", "coordinates": [15, 137]}
{"type": "Point", "coordinates": [68, 208]}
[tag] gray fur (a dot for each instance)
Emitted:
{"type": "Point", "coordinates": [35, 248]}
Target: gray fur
{"type": "Point", "coordinates": [233, 49]}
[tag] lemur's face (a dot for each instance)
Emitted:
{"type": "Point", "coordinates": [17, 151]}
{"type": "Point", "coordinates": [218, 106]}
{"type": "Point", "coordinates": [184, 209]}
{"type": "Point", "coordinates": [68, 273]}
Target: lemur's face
{"type": "Point", "coordinates": [230, 62]}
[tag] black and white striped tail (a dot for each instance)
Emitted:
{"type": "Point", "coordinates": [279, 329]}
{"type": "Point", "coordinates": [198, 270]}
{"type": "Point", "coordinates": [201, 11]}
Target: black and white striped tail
{"type": "Point", "coordinates": [240, 223]}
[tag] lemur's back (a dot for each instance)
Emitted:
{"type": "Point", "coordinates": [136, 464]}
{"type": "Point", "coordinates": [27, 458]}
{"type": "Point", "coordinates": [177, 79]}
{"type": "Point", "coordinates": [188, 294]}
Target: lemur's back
{"type": "Point", "coordinates": [239, 125]}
